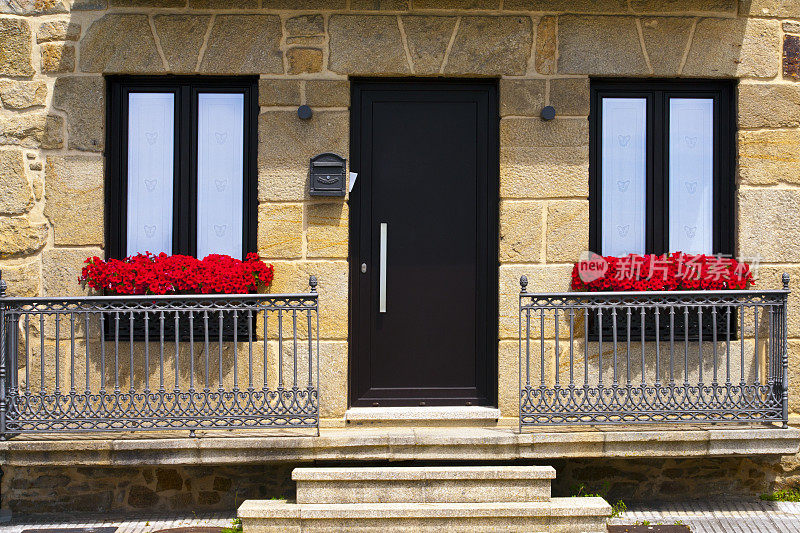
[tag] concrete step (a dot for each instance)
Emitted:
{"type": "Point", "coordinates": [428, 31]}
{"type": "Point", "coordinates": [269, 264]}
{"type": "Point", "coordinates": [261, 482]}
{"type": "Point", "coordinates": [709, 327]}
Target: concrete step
{"type": "Point", "coordinates": [439, 484]}
{"type": "Point", "coordinates": [559, 515]}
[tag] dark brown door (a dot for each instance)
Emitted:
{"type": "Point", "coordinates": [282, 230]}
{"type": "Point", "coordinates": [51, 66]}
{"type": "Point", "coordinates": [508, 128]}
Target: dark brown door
{"type": "Point", "coordinates": [423, 240]}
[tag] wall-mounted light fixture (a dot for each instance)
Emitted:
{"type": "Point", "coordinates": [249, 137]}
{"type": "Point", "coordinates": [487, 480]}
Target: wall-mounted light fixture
{"type": "Point", "coordinates": [304, 112]}
{"type": "Point", "coordinates": [548, 112]}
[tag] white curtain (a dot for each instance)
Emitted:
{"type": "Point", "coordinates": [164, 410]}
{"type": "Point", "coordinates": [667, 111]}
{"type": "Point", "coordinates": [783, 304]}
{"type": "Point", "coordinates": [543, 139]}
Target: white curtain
{"type": "Point", "coordinates": [220, 174]}
{"type": "Point", "coordinates": [623, 172]}
{"type": "Point", "coordinates": [151, 130]}
{"type": "Point", "coordinates": [691, 175]}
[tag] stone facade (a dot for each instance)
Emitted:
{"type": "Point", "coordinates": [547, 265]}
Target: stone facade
{"type": "Point", "coordinates": [54, 54]}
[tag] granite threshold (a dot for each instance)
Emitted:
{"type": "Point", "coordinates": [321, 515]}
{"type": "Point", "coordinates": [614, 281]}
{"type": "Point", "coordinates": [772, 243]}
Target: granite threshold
{"type": "Point", "coordinates": [382, 444]}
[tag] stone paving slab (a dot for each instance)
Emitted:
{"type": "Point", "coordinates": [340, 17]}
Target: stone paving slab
{"type": "Point", "coordinates": [729, 516]}
{"type": "Point", "coordinates": [146, 522]}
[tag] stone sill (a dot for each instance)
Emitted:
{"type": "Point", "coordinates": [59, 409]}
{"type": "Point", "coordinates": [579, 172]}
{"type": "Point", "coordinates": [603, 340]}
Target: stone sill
{"type": "Point", "coordinates": [397, 444]}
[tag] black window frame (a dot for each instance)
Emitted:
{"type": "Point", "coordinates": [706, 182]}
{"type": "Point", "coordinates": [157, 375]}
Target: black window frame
{"type": "Point", "coordinates": [657, 93]}
{"type": "Point", "coordinates": [186, 90]}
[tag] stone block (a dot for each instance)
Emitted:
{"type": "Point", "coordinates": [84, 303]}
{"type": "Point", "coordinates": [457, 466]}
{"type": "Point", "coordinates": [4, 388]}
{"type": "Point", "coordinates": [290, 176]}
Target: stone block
{"type": "Point", "coordinates": [568, 6]}
{"type": "Point", "coordinates": [541, 278]}
{"type": "Point", "coordinates": [21, 237]}
{"type": "Point", "coordinates": [567, 230]}
{"type": "Point", "coordinates": [380, 5]}
{"type": "Point", "coordinates": [768, 157]}
{"type": "Point", "coordinates": [15, 47]}
{"type": "Point", "coordinates": [665, 39]}
{"type": "Point", "coordinates": [63, 269]}
{"type": "Point", "coordinates": [769, 277]}
{"type": "Point", "coordinates": [303, 4]}
{"type": "Point", "coordinates": [769, 224]}
{"type": "Point", "coordinates": [710, 7]}
{"type": "Point", "coordinates": [16, 196]}
{"type": "Point", "coordinates": [83, 100]}
{"type": "Point", "coordinates": [332, 276]}
{"type": "Point", "coordinates": [58, 30]}
{"type": "Point", "coordinates": [794, 375]}
{"type": "Point", "coordinates": [491, 46]}
{"type": "Point", "coordinates": [278, 92]}
{"type": "Point", "coordinates": [280, 231]}
{"type": "Point", "coordinates": [366, 44]}
{"type": "Point", "coordinates": [328, 93]}
{"type": "Point", "coordinates": [147, 3]}
{"type": "Point", "coordinates": [181, 38]}
{"type": "Point", "coordinates": [600, 45]}
{"type": "Point", "coordinates": [120, 43]}
{"type": "Point", "coordinates": [427, 39]}
{"type": "Point", "coordinates": [23, 280]}
{"type": "Point", "coordinates": [734, 48]}
{"type": "Point", "coordinates": [57, 58]}
{"type": "Point", "coordinates": [327, 229]}
{"type": "Point", "coordinates": [18, 94]}
{"type": "Point", "coordinates": [222, 4]}
{"type": "Point", "coordinates": [546, 45]}
{"type": "Point", "coordinates": [527, 132]}
{"type": "Point", "coordinates": [244, 44]}
{"type": "Point", "coordinates": [544, 172]}
{"type": "Point", "coordinates": [570, 96]}
{"type": "Point", "coordinates": [286, 145]}
{"type": "Point", "coordinates": [769, 105]}
{"type": "Point", "coordinates": [333, 385]}
{"type": "Point", "coordinates": [791, 26]}
{"type": "Point", "coordinates": [305, 26]}
{"type": "Point", "coordinates": [769, 8]}
{"type": "Point", "coordinates": [89, 5]}
{"type": "Point", "coordinates": [32, 130]}
{"type": "Point", "coordinates": [522, 97]}
{"type": "Point", "coordinates": [33, 7]}
{"type": "Point", "coordinates": [457, 4]}
{"type": "Point", "coordinates": [74, 200]}
{"type": "Point", "coordinates": [304, 60]}
{"type": "Point", "coordinates": [521, 228]}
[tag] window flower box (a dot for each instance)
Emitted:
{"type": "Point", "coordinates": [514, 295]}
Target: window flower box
{"type": "Point", "coordinates": [150, 274]}
{"type": "Point", "coordinates": [667, 272]}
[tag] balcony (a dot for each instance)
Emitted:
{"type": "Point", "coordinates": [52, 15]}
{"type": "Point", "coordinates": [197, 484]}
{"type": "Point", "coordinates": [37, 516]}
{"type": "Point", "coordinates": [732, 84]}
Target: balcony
{"type": "Point", "coordinates": [700, 357]}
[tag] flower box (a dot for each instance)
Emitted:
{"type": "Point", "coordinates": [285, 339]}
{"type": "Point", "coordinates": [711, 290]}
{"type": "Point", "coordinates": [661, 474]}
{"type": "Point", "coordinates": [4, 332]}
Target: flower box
{"type": "Point", "coordinates": [149, 274]}
{"type": "Point", "coordinates": [667, 272]}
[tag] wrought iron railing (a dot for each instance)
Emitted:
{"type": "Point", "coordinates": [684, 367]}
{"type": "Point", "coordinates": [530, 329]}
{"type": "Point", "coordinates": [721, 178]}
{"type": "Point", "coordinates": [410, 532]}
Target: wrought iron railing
{"type": "Point", "coordinates": [653, 357]}
{"type": "Point", "coordinates": [189, 362]}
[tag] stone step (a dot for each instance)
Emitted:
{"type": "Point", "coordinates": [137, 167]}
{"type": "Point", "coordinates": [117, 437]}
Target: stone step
{"type": "Point", "coordinates": [559, 515]}
{"type": "Point", "coordinates": [431, 416]}
{"type": "Point", "coordinates": [437, 484]}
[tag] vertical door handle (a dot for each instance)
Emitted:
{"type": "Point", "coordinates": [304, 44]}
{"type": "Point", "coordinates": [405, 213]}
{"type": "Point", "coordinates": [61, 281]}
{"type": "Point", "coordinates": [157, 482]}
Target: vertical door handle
{"type": "Point", "coordinates": [382, 270]}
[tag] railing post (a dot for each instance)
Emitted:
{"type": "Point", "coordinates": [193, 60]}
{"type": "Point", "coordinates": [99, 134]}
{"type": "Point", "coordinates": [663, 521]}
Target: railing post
{"type": "Point", "coordinates": [785, 350]}
{"type": "Point", "coordinates": [3, 353]}
{"type": "Point", "coordinates": [523, 287]}
{"type": "Point", "coordinates": [312, 284]}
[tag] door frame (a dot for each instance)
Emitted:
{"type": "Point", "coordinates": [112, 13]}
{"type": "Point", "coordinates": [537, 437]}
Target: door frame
{"type": "Point", "coordinates": [489, 302]}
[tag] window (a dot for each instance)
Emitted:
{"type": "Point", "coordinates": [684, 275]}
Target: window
{"type": "Point", "coordinates": [661, 167]}
{"type": "Point", "coordinates": [181, 166]}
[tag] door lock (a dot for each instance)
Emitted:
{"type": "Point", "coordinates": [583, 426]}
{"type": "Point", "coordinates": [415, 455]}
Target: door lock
{"type": "Point", "coordinates": [363, 268]}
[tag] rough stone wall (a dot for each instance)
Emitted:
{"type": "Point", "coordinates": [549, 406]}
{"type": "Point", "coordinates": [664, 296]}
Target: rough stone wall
{"type": "Point", "coordinates": [50, 489]}
{"type": "Point", "coordinates": [54, 53]}
{"type": "Point", "coordinates": [29, 490]}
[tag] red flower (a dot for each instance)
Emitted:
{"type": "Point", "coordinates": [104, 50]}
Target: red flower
{"type": "Point", "coordinates": [177, 274]}
{"type": "Point", "coordinates": [668, 272]}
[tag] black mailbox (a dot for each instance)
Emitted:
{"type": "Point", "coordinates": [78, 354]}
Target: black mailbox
{"type": "Point", "coordinates": [327, 175]}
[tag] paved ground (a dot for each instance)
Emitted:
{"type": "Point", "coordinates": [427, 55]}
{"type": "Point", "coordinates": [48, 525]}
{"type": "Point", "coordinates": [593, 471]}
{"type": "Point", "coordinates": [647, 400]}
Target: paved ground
{"type": "Point", "coordinates": [735, 516]}
{"type": "Point", "coordinates": [751, 516]}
